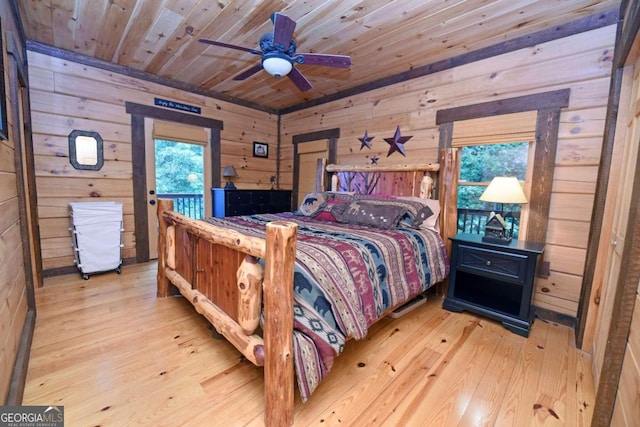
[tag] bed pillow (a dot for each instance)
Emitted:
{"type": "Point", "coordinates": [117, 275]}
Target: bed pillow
{"type": "Point", "coordinates": [415, 219]}
{"type": "Point", "coordinates": [312, 203]}
{"type": "Point", "coordinates": [365, 213]}
{"type": "Point", "coordinates": [345, 196]}
{"type": "Point", "coordinates": [432, 222]}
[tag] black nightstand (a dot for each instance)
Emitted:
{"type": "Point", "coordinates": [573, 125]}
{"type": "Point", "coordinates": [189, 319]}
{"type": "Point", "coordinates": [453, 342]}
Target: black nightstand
{"type": "Point", "coordinates": [493, 280]}
{"type": "Point", "coordinates": [228, 202]}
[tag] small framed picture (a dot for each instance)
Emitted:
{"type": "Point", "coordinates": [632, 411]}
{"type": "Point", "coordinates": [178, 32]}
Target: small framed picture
{"type": "Point", "coordinates": [260, 149]}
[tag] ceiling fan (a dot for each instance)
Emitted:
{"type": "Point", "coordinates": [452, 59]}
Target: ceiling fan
{"type": "Point", "coordinates": [278, 52]}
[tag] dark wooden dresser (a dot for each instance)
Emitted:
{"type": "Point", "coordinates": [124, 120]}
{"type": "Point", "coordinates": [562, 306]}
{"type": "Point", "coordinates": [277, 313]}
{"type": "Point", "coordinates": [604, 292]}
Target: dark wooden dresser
{"type": "Point", "coordinates": [228, 202]}
{"type": "Point", "coordinates": [493, 280]}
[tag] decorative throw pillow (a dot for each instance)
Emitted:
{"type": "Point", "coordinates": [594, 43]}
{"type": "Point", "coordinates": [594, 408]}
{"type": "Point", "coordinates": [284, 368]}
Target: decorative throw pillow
{"type": "Point", "coordinates": [368, 214]}
{"type": "Point", "coordinates": [312, 203]}
{"type": "Point", "coordinates": [326, 212]}
{"type": "Point", "coordinates": [415, 212]}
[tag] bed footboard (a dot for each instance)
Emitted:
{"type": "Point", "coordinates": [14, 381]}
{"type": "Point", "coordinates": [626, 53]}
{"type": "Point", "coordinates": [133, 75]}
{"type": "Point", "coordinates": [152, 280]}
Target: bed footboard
{"type": "Point", "coordinates": [186, 256]}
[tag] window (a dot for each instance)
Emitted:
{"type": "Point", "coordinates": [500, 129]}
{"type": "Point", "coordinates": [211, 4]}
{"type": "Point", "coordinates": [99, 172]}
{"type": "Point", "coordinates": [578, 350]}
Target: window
{"type": "Point", "coordinates": [501, 145]}
{"type": "Point", "coordinates": [86, 150]}
{"type": "Point", "coordinates": [479, 164]}
{"type": "Point", "coordinates": [180, 175]}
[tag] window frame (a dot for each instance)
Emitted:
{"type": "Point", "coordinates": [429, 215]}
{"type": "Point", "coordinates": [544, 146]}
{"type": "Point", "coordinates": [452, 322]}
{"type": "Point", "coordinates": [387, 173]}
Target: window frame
{"type": "Point", "coordinates": [526, 184]}
{"type": "Point", "coordinates": [548, 106]}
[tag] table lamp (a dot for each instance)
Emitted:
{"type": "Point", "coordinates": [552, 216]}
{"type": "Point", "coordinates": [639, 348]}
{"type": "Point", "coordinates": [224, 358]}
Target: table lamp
{"type": "Point", "coordinates": [501, 189]}
{"type": "Point", "coordinates": [229, 172]}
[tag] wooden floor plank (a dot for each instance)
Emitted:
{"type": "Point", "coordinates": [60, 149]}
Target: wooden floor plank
{"type": "Point", "coordinates": [406, 394]}
{"type": "Point", "coordinates": [585, 390]}
{"type": "Point", "coordinates": [550, 405]}
{"type": "Point", "coordinates": [470, 356]}
{"type": "Point", "coordinates": [113, 354]}
{"type": "Point", "coordinates": [488, 396]}
{"type": "Point", "coordinates": [517, 408]}
{"type": "Point", "coordinates": [389, 352]}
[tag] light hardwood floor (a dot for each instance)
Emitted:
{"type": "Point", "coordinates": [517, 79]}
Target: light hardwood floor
{"type": "Point", "coordinates": [115, 355]}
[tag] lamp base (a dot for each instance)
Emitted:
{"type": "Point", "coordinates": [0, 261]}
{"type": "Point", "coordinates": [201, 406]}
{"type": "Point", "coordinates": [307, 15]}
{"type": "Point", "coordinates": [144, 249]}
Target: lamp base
{"type": "Point", "coordinates": [230, 186]}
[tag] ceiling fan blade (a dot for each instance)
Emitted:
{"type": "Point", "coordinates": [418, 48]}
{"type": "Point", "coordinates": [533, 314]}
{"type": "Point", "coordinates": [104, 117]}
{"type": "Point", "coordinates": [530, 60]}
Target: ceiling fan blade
{"type": "Point", "coordinates": [299, 80]}
{"type": "Point", "coordinates": [248, 72]}
{"type": "Point", "coordinates": [283, 28]}
{"type": "Point", "coordinates": [339, 61]}
{"type": "Point", "coordinates": [230, 46]}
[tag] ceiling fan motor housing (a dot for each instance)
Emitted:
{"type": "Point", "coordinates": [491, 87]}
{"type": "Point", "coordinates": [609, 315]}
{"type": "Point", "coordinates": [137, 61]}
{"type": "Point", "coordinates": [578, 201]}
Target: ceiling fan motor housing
{"type": "Point", "coordinates": [267, 45]}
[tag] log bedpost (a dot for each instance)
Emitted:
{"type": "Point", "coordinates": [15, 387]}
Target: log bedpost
{"type": "Point", "coordinates": [170, 247]}
{"type": "Point", "coordinates": [426, 186]}
{"type": "Point", "coordinates": [450, 164]}
{"type": "Point", "coordinates": [321, 175]}
{"type": "Point", "coordinates": [280, 254]}
{"type": "Point", "coordinates": [335, 184]}
{"type": "Point", "coordinates": [250, 275]}
{"type": "Point", "coordinates": [163, 282]}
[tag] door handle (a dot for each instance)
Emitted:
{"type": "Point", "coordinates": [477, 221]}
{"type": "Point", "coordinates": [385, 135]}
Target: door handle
{"type": "Point", "coordinates": [152, 192]}
{"type": "Point", "coordinates": [152, 202]}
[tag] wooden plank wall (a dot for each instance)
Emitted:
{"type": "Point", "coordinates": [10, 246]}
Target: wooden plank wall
{"type": "Point", "coordinates": [66, 95]}
{"type": "Point", "coordinates": [13, 286]}
{"type": "Point", "coordinates": [580, 62]}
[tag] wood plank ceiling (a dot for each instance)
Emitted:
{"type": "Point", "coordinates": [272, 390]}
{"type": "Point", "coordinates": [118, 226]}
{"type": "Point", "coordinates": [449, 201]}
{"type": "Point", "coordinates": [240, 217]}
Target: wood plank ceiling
{"type": "Point", "coordinates": [383, 37]}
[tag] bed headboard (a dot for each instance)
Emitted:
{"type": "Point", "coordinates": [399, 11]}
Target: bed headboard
{"type": "Point", "coordinates": [416, 180]}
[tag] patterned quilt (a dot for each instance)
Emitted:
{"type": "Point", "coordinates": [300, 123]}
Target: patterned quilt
{"type": "Point", "coordinates": [346, 277]}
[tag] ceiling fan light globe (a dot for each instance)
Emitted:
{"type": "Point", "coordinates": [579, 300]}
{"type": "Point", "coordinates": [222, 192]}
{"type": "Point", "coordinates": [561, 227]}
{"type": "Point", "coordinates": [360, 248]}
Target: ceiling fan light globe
{"type": "Point", "coordinates": [276, 65]}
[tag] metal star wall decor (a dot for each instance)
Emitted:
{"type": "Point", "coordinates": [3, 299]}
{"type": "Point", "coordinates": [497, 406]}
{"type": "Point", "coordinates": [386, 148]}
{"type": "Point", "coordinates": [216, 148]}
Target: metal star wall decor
{"type": "Point", "coordinates": [397, 143]}
{"type": "Point", "coordinates": [366, 140]}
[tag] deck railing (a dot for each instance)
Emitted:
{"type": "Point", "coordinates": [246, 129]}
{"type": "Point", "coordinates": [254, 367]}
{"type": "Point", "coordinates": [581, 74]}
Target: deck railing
{"type": "Point", "coordinates": [191, 205]}
{"type": "Point", "coordinates": [474, 220]}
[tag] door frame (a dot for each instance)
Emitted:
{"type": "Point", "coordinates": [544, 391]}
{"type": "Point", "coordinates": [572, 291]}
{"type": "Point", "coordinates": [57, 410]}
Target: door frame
{"type": "Point", "coordinates": [152, 173]}
{"type": "Point", "coordinates": [626, 287]}
{"type": "Point", "coordinates": [332, 135]}
{"type": "Point", "coordinates": [138, 156]}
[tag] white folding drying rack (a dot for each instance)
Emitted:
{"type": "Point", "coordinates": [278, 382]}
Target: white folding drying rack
{"type": "Point", "coordinates": [96, 231]}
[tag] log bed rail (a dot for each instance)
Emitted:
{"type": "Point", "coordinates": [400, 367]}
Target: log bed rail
{"type": "Point", "coordinates": [185, 261]}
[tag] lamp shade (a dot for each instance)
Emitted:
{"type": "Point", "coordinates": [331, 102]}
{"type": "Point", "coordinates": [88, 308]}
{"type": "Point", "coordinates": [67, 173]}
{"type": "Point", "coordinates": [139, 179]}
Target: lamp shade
{"type": "Point", "coordinates": [229, 171]}
{"type": "Point", "coordinates": [504, 189]}
{"type": "Point", "coordinates": [276, 65]}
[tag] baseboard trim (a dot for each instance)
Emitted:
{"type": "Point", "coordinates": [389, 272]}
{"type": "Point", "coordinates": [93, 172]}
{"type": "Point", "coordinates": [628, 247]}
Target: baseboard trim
{"type": "Point", "coordinates": [71, 269]}
{"type": "Point", "coordinates": [19, 375]}
{"type": "Point", "coordinates": [555, 317]}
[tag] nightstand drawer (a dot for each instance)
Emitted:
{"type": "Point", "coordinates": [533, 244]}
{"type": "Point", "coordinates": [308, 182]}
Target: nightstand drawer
{"type": "Point", "coordinates": [260, 197]}
{"type": "Point", "coordinates": [238, 197]}
{"type": "Point", "coordinates": [281, 199]}
{"type": "Point", "coordinates": [237, 210]}
{"type": "Point", "coordinates": [501, 265]}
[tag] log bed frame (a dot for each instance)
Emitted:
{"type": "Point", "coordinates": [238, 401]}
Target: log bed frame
{"type": "Point", "coordinates": [217, 270]}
